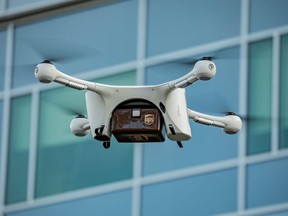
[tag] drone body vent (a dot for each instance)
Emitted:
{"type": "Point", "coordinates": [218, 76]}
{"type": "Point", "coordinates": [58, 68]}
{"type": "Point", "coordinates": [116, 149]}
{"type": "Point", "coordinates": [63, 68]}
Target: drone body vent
{"type": "Point", "coordinates": [77, 86]}
{"type": "Point", "coordinates": [203, 121]}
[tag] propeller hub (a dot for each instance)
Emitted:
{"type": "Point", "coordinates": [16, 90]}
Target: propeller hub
{"type": "Point", "coordinates": [209, 58]}
{"type": "Point", "coordinates": [47, 61]}
{"type": "Point", "coordinates": [230, 113]}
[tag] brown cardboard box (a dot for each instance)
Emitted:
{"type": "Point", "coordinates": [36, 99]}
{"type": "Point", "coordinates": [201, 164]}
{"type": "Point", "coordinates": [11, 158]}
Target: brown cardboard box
{"type": "Point", "coordinates": [137, 125]}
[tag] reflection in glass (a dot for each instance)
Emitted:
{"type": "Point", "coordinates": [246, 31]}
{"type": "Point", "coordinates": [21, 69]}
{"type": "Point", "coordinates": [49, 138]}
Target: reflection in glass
{"type": "Point", "coordinates": [259, 97]}
{"type": "Point", "coordinates": [283, 93]}
{"type": "Point", "coordinates": [191, 195]}
{"type": "Point", "coordinates": [77, 42]}
{"type": "Point", "coordinates": [66, 162]}
{"type": "Point", "coordinates": [19, 138]}
{"type": "Point", "coordinates": [108, 204]}
{"type": "Point", "coordinates": [266, 183]}
{"type": "Point", "coordinates": [1, 119]}
{"type": "Point", "coordinates": [11, 4]}
{"type": "Point", "coordinates": [259, 21]}
{"type": "Point", "coordinates": [192, 25]}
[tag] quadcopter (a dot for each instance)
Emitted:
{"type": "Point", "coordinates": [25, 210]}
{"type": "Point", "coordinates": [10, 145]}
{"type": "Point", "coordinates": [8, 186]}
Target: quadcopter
{"type": "Point", "coordinates": [139, 113]}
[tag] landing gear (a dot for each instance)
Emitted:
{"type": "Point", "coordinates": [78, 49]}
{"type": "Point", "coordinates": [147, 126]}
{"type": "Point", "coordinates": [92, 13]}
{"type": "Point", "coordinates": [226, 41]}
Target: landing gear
{"type": "Point", "coordinates": [102, 137]}
{"type": "Point", "coordinates": [179, 144]}
{"type": "Point", "coordinates": [106, 144]}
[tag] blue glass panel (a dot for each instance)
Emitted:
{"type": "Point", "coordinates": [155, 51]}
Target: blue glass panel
{"type": "Point", "coordinates": [267, 183]}
{"type": "Point", "coordinates": [1, 123]}
{"type": "Point", "coordinates": [279, 214]}
{"type": "Point", "coordinates": [173, 26]}
{"type": "Point", "coordinates": [79, 41]}
{"type": "Point", "coordinates": [283, 132]}
{"type": "Point", "coordinates": [259, 97]}
{"type": "Point", "coordinates": [18, 3]}
{"type": "Point", "coordinates": [207, 194]}
{"type": "Point", "coordinates": [19, 139]}
{"type": "Point", "coordinates": [265, 14]}
{"type": "Point", "coordinates": [2, 57]}
{"type": "Point", "coordinates": [117, 203]}
{"type": "Point", "coordinates": [217, 96]}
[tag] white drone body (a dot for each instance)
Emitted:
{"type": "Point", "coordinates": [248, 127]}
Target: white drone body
{"type": "Point", "coordinates": [168, 99]}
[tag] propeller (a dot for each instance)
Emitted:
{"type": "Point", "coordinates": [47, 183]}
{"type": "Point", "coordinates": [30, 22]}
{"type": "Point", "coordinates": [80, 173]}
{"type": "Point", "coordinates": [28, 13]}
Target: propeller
{"type": "Point", "coordinates": [49, 50]}
{"type": "Point", "coordinates": [77, 112]}
{"type": "Point", "coordinates": [59, 50]}
{"type": "Point", "coordinates": [47, 61]}
{"type": "Point", "coordinates": [229, 53]}
{"type": "Point", "coordinates": [192, 61]}
{"type": "Point", "coordinates": [230, 113]}
{"type": "Point", "coordinates": [215, 103]}
{"type": "Point", "coordinates": [80, 116]}
{"type": "Point", "coordinates": [32, 50]}
{"type": "Point", "coordinates": [65, 102]}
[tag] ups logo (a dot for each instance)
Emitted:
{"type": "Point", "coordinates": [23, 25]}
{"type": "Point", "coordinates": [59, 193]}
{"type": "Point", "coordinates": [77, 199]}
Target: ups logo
{"type": "Point", "coordinates": [149, 119]}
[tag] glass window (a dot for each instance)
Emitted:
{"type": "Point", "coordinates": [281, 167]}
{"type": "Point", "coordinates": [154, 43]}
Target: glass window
{"type": "Point", "coordinates": [277, 10]}
{"type": "Point", "coordinates": [283, 93]}
{"type": "Point", "coordinates": [66, 162]}
{"type": "Point", "coordinates": [125, 78]}
{"type": "Point", "coordinates": [77, 42]}
{"type": "Point", "coordinates": [19, 3]}
{"type": "Point", "coordinates": [19, 139]}
{"type": "Point", "coordinates": [117, 203]}
{"type": "Point", "coordinates": [173, 26]}
{"type": "Point", "coordinates": [211, 97]}
{"type": "Point", "coordinates": [2, 57]}
{"type": "Point", "coordinates": [259, 97]}
{"type": "Point", "coordinates": [192, 195]}
{"type": "Point", "coordinates": [267, 183]}
{"type": "Point", "coordinates": [279, 214]}
{"type": "Point", "coordinates": [1, 123]}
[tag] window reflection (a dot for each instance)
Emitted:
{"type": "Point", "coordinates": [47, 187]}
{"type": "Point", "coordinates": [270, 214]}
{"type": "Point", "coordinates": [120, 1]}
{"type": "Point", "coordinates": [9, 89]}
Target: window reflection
{"type": "Point", "coordinates": [283, 93]}
{"type": "Point", "coordinates": [78, 42]}
{"type": "Point", "coordinates": [11, 4]}
{"type": "Point", "coordinates": [168, 32]}
{"type": "Point", "coordinates": [19, 139]}
{"type": "Point", "coordinates": [259, 97]}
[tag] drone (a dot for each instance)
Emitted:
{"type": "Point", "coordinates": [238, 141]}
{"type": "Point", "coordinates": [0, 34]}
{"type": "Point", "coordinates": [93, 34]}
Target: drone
{"type": "Point", "coordinates": [139, 114]}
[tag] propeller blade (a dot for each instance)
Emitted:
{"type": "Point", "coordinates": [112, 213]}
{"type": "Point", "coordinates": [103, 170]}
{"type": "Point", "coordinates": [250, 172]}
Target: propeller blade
{"type": "Point", "coordinates": [59, 50]}
{"type": "Point", "coordinates": [219, 54]}
{"type": "Point", "coordinates": [213, 103]}
{"type": "Point", "coordinates": [64, 103]}
{"type": "Point", "coordinates": [73, 112]}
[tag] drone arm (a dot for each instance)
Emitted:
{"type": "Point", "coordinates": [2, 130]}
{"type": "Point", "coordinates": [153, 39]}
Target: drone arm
{"type": "Point", "coordinates": [203, 70]}
{"type": "Point", "coordinates": [184, 82]}
{"type": "Point", "coordinates": [46, 72]}
{"type": "Point", "coordinates": [230, 123]}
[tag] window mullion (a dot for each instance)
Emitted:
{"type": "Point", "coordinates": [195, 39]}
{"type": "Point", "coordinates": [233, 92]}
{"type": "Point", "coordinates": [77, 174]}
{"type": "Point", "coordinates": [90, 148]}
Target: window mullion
{"type": "Point", "coordinates": [275, 93]}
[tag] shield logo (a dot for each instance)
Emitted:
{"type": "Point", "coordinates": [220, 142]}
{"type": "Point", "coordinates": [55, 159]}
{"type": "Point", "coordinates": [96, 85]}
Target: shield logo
{"type": "Point", "coordinates": [139, 138]}
{"type": "Point", "coordinates": [149, 119]}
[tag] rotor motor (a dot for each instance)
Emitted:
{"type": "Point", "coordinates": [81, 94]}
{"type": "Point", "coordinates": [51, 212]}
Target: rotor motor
{"type": "Point", "coordinates": [78, 126]}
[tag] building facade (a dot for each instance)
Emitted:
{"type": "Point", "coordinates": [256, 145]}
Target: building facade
{"type": "Point", "coordinates": [46, 170]}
